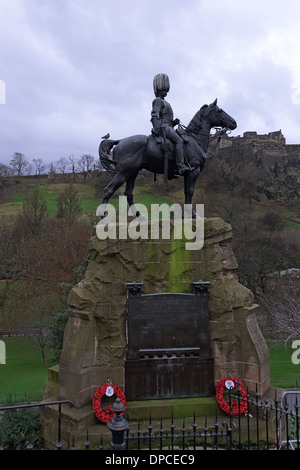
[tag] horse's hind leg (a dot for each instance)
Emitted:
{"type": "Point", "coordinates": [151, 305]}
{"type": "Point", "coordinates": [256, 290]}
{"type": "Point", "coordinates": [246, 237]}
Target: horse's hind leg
{"type": "Point", "coordinates": [130, 182]}
{"type": "Point", "coordinates": [110, 189]}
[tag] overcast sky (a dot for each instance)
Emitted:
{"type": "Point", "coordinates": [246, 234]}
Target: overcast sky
{"type": "Point", "coordinates": [74, 70]}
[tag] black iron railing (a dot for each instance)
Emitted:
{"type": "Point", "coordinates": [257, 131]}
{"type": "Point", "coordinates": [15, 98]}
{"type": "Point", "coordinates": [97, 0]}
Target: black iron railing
{"type": "Point", "coordinates": [215, 436]}
{"type": "Point", "coordinates": [34, 405]}
{"type": "Point", "coordinates": [266, 425]}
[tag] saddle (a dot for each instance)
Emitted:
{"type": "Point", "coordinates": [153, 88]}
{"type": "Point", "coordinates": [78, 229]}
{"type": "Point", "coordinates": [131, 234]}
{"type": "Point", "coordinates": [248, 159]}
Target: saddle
{"type": "Point", "coordinates": [168, 149]}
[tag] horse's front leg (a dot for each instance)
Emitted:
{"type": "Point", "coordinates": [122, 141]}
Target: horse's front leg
{"type": "Point", "coordinates": [189, 189]}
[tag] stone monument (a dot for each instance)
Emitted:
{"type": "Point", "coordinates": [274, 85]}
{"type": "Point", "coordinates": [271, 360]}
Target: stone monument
{"type": "Point", "coordinates": [157, 320]}
{"type": "Point", "coordinates": [127, 278]}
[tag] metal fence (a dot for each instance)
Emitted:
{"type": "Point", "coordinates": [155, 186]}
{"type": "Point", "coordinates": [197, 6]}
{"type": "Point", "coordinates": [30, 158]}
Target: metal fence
{"type": "Point", "coordinates": [273, 425]}
{"type": "Point", "coordinates": [29, 445]}
{"type": "Point", "coordinates": [179, 437]}
{"type": "Point", "coordinates": [264, 426]}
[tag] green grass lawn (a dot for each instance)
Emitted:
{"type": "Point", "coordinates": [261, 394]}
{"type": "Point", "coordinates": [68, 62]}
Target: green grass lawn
{"type": "Point", "coordinates": [51, 192]}
{"type": "Point", "coordinates": [284, 374]}
{"type": "Point", "coordinates": [293, 224]}
{"type": "Point", "coordinates": [86, 192]}
{"type": "Point", "coordinates": [24, 371]}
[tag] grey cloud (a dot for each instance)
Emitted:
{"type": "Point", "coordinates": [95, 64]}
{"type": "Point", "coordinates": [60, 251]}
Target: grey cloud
{"type": "Point", "coordinates": [75, 70]}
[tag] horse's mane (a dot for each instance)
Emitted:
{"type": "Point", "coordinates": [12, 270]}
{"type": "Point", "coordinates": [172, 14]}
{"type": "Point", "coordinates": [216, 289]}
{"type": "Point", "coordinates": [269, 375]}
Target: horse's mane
{"type": "Point", "coordinates": [194, 124]}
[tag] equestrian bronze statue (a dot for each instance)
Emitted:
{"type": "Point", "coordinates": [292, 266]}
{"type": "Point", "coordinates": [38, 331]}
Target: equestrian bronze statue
{"type": "Point", "coordinates": [162, 152]}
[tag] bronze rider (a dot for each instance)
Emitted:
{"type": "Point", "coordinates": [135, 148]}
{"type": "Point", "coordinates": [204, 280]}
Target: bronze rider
{"type": "Point", "coordinates": [163, 121]}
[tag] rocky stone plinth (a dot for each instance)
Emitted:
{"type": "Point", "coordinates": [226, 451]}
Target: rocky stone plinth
{"type": "Point", "coordinates": [95, 336]}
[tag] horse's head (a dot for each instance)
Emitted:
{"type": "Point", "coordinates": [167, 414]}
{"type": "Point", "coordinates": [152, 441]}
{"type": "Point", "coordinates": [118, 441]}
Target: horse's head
{"type": "Point", "coordinates": [218, 117]}
{"type": "Point", "coordinates": [210, 116]}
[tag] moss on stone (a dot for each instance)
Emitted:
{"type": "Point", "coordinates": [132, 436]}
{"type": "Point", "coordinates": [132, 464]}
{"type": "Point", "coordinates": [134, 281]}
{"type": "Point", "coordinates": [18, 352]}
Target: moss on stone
{"type": "Point", "coordinates": [178, 268]}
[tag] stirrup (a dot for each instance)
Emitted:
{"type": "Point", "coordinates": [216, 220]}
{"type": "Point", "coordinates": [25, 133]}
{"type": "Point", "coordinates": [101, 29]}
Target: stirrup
{"type": "Point", "coordinates": [182, 168]}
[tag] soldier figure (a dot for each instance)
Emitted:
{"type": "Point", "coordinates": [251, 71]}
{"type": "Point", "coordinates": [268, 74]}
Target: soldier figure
{"type": "Point", "coordinates": [163, 121]}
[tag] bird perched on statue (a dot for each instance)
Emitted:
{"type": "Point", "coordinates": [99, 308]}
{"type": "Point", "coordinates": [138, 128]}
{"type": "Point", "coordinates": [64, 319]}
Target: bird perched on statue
{"type": "Point", "coordinates": [107, 136]}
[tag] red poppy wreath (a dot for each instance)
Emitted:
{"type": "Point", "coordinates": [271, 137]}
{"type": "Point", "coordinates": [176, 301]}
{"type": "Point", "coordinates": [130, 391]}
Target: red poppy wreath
{"type": "Point", "coordinates": [235, 407]}
{"type": "Point", "coordinates": [107, 389]}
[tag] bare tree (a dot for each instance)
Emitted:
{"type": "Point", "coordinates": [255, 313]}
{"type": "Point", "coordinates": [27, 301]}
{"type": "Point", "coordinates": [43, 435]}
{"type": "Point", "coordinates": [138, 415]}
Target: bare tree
{"type": "Point", "coordinates": [62, 164]}
{"type": "Point", "coordinates": [5, 171]}
{"type": "Point", "coordinates": [69, 205]}
{"type": "Point", "coordinates": [81, 163]}
{"type": "Point", "coordinates": [89, 160]}
{"type": "Point", "coordinates": [85, 163]}
{"type": "Point", "coordinates": [19, 163]}
{"type": "Point", "coordinates": [281, 309]}
{"type": "Point", "coordinates": [260, 253]}
{"type": "Point", "coordinates": [33, 218]}
{"type": "Point", "coordinates": [39, 166]}
{"type": "Point", "coordinates": [9, 242]}
{"type": "Point", "coordinates": [273, 221]}
{"type": "Point", "coordinates": [51, 168]}
{"type": "Point", "coordinates": [73, 165]}
{"type": "Point", "coordinates": [40, 313]}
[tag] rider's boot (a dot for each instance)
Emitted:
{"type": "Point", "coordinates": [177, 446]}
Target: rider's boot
{"type": "Point", "coordinates": [181, 166]}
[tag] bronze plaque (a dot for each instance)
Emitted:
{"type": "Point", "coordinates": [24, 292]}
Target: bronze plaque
{"type": "Point", "coordinates": [169, 378]}
{"type": "Point", "coordinates": [168, 352]}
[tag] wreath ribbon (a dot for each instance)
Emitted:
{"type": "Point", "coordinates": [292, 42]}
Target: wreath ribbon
{"type": "Point", "coordinates": [235, 407]}
{"type": "Point", "coordinates": [106, 415]}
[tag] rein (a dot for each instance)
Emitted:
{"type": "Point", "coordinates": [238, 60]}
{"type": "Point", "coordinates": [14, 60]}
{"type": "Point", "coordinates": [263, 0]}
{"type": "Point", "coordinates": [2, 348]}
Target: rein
{"type": "Point", "coordinates": [198, 134]}
{"type": "Point", "coordinates": [218, 136]}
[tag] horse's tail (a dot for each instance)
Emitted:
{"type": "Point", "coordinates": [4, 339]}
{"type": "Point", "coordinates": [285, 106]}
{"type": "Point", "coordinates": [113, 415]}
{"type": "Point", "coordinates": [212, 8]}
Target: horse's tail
{"type": "Point", "coordinates": [104, 153]}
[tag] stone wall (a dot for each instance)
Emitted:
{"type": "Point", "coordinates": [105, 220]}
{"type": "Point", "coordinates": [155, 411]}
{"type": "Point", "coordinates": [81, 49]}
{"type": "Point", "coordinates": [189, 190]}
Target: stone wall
{"type": "Point", "coordinates": [271, 169]}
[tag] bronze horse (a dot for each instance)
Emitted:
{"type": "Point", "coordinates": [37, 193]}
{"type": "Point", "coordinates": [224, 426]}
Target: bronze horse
{"type": "Point", "coordinates": [126, 157]}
